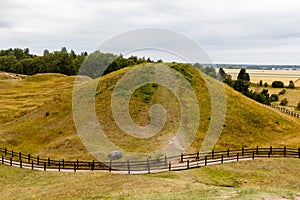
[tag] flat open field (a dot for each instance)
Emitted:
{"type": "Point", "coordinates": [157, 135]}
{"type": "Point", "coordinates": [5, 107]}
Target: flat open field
{"type": "Point", "coordinates": [268, 75]}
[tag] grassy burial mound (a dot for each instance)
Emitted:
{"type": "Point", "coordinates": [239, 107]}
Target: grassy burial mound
{"type": "Point", "coordinates": [36, 116]}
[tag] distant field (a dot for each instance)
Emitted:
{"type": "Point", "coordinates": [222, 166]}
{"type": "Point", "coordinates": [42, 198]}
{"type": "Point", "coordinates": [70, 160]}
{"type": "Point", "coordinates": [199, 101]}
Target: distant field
{"type": "Point", "coordinates": [268, 75]}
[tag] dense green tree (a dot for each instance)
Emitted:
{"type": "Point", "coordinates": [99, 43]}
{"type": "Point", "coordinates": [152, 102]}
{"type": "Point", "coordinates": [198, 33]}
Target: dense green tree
{"type": "Point", "coordinates": [199, 67]}
{"type": "Point", "coordinates": [241, 86]}
{"type": "Point", "coordinates": [282, 92]}
{"type": "Point", "coordinates": [277, 84]}
{"type": "Point", "coordinates": [291, 85]}
{"type": "Point", "coordinates": [284, 102]}
{"type": "Point", "coordinates": [298, 106]}
{"type": "Point", "coordinates": [243, 75]}
{"type": "Point", "coordinates": [274, 97]}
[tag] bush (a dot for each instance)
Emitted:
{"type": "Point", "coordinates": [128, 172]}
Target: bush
{"type": "Point", "coordinates": [277, 84]}
{"type": "Point", "coordinates": [265, 84]}
{"type": "Point", "coordinates": [298, 106]}
{"type": "Point", "coordinates": [291, 85]}
{"type": "Point", "coordinates": [282, 92]}
{"type": "Point", "coordinates": [260, 83]}
{"type": "Point", "coordinates": [284, 102]}
{"type": "Point", "coordinates": [274, 97]}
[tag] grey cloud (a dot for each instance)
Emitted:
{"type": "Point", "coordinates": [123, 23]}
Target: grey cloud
{"type": "Point", "coordinates": [223, 27]}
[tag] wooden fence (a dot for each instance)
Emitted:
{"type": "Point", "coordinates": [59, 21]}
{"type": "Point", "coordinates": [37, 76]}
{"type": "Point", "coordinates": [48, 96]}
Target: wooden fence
{"type": "Point", "coordinates": [181, 162]}
{"type": "Point", "coordinates": [285, 110]}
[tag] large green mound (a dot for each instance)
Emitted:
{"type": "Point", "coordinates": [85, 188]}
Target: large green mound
{"type": "Point", "coordinates": [36, 116]}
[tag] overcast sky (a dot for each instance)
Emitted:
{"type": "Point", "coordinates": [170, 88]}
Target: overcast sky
{"type": "Point", "coordinates": [231, 31]}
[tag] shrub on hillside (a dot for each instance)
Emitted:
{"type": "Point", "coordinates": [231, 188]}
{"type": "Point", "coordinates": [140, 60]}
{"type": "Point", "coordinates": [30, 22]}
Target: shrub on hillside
{"type": "Point", "coordinates": [282, 92]}
{"type": "Point", "coordinates": [274, 97]}
{"type": "Point", "coordinates": [277, 84]}
{"type": "Point", "coordinates": [291, 85]}
{"type": "Point", "coordinates": [298, 106]}
{"type": "Point", "coordinates": [265, 84]}
{"type": "Point", "coordinates": [284, 102]}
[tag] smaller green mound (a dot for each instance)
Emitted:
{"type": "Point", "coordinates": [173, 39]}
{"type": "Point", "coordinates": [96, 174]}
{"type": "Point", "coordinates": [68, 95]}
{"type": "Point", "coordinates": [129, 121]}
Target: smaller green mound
{"type": "Point", "coordinates": [11, 76]}
{"type": "Point", "coordinates": [44, 77]}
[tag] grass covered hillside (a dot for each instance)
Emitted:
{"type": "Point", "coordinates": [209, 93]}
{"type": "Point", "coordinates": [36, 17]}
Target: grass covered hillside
{"type": "Point", "coordinates": [36, 116]}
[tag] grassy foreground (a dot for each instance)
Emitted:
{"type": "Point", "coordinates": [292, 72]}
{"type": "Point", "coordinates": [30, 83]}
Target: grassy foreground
{"type": "Point", "coordinates": [258, 179]}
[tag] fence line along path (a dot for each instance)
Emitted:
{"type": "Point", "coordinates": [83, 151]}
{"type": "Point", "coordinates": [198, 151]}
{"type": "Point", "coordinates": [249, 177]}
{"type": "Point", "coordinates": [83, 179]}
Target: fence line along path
{"type": "Point", "coordinates": [180, 162]}
{"type": "Point", "coordinates": [285, 110]}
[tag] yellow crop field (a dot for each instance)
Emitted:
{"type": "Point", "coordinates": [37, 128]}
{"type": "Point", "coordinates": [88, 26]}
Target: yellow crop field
{"type": "Point", "coordinates": [269, 75]}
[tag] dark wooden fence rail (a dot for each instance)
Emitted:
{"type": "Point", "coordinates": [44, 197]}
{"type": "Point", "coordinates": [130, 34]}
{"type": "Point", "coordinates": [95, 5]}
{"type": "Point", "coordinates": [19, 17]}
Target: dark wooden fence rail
{"type": "Point", "coordinates": [181, 162]}
{"type": "Point", "coordinates": [285, 110]}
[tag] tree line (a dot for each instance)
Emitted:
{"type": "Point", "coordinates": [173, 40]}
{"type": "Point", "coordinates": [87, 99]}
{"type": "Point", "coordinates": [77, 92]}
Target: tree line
{"type": "Point", "coordinates": [21, 61]}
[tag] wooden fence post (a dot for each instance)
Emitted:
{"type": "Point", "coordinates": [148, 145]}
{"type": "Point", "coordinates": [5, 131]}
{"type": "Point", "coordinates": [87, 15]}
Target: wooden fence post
{"type": "Point", "coordinates": [205, 160]}
{"type": "Point", "coordinates": [38, 160]}
{"type": "Point", "coordinates": [12, 153]}
{"type": "Point", "coordinates": [228, 152]}
{"type": "Point", "coordinates": [44, 166]}
{"type": "Point", "coordinates": [93, 165]}
{"type": "Point", "coordinates": [10, 161]}
{"type": "Point", "coordinates": [270, 149]}
{"type": "Point", "coordinates": [128, 166]}
{"type": "Point", "coordinates": [181, 157]}
{"type": "Point", "coordinates": [284, 151]}
{"type": "Point", "coordinates": [237, 157]}
{"type": "Point", "coordinates": [299, 152]}
{"type": "Point", "coordinates": [59, 166]}
{"type": "Point", "coordinates": [148, 166]}
{"type": "Point", "coordinates": [269, 153]}
{"type": "Point", "coordinates": [32, 164]}
{"type": "Point", "coordinates": [166, 161]}
{"type": "Point", "coordinates": [222, 159]}
{"type": "Point", "coordinates": [110, 165]}
{"type": "Point", "coordinates": [242, 151]}
{"type": "Point", "coordinates": [170, 166]}
{"type": "Point", "coordinates": [257, 150]}
{"type": "Point", "coordinates": [253, 155]}
{"type": "Point", "coordinates": [197, 157]}
{"type": "Point", "coordinates": [74, 167]}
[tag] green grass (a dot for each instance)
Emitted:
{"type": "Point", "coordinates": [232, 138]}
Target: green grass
{"type": "Point", "coordinates": [258, 179]}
